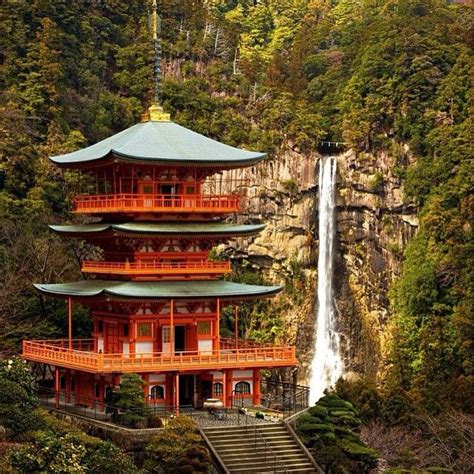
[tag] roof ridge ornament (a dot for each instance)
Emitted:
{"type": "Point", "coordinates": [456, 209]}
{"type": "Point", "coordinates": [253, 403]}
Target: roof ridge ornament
{"type": "Point", "coordinates": [155, 113]}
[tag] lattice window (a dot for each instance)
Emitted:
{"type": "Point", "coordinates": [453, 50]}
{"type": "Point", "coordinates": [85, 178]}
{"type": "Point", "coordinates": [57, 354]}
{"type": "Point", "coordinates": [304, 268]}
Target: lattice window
{"type": "Point", "coordinates": [166, 333]}
{"type": "Point", "coordinates": [144, 329]}
{"type": "Point", "coordinates": [218, 389]}
{"type": "Point", "coordinates": [243, 388]}
{"type": "Point", "coordinates": [204, 327]}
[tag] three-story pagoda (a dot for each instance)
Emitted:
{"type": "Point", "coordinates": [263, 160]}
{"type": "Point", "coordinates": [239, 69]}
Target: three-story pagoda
{"type": "Point", "coordinates": [156, 297]}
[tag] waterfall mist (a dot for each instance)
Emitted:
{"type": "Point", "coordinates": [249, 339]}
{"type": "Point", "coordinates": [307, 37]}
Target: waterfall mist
{"type": "Point", "coordinates": [327, 365]}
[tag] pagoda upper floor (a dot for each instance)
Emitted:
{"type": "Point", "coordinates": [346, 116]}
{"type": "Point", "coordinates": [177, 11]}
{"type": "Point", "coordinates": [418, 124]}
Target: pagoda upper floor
{"type": "Point", "coordinates": [156, 251]}
{"type": "Point", "coordinates": [155, 169]}
{"type": "Point", "coordinates": [151, 192]}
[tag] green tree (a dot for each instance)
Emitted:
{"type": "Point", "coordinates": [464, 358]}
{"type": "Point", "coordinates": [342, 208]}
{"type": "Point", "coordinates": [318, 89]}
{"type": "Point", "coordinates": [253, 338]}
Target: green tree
{"type": "Point", "coordinates": [131, 400]}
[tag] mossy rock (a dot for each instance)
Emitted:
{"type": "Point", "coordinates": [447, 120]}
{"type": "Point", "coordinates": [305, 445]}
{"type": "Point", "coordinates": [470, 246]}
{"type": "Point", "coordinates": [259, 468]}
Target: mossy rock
{"type": "Point", "coordinates": [318, 411]}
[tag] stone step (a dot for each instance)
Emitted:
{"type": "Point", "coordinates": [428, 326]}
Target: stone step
{"type": "Point", "coordinates": [252, 437]}
{"type": "Point", "coordinates": [268, 465]}
{"type": "Point", "coordinates": [269, 469]}
{"type": "Point", "coordinates": [238, 444]}
{"type": "Point", "coordinates": [243, 452]}
{"type": "Point", "coordinates": [251, 448]}
{"type": "Point", "coordinates": [225, 428]}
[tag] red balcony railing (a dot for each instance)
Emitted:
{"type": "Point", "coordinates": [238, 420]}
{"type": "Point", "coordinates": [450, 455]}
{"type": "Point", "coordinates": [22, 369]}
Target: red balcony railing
{"type": "Point", "coordinates": [57, 353]}
{"type": "Point", "coordinates": [191, 267]}
{"type": "Point", "coordinates": [185, 203]}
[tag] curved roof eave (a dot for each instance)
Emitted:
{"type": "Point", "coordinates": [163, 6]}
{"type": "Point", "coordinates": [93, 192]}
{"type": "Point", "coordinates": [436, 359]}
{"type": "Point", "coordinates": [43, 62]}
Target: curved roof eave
{"type": "Point", "coordinates": [160, 161]}
{"type": "Point", "coordinates": [162, 143]}
{"type": "Point", "coordinates": [86, 289]}
{"type": "Point", "coordinates": [157, 229]}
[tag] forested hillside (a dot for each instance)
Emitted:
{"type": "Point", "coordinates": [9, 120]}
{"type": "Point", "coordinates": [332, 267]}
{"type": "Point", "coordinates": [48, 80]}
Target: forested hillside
{"type": "Point", "coordinates": [276, 75]}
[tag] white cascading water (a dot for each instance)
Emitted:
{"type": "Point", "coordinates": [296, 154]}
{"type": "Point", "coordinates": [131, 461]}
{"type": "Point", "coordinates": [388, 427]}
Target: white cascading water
{"type": "Point", "coordinates": [327, 365]}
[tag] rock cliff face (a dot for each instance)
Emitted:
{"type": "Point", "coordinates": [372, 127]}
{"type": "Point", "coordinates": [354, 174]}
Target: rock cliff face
{"type": "Point", "coordinates": [373, 227]}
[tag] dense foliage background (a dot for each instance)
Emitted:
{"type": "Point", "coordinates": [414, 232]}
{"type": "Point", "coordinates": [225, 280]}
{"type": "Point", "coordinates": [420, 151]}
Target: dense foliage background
{"type": "Point", "coordinates": [391, 75]}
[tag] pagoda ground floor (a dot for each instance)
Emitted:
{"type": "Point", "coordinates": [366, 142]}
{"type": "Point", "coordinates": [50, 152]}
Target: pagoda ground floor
{"type": "Point", "coordinates": [167, 389]}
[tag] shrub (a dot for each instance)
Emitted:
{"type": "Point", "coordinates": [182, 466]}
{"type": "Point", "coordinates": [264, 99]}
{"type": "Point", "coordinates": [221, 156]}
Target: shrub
{"type": "Point", "coordinates": [104, 457]}
{"type": "Point", "coordinates": [70, 452]}
{"type": "Point", "coordinates": [178, 448]}
{"type": "Point", "coordinates": [50, 453]}
{"type": "Point", "coordinates": [329, 429]}
{"type": "Point", "coordinates": [18, 408]}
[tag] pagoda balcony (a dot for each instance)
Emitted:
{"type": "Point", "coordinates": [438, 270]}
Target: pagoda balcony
{"type": "Point", "coordinates": [162, 268]}
{"type": "Point", "coordinates": [80, 355]}
{"type": "Point", "coordinates": [157, 203]}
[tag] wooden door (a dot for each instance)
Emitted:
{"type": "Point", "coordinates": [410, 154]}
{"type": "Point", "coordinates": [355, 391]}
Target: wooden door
{"type": "Point", "coordinates": [112, 338]}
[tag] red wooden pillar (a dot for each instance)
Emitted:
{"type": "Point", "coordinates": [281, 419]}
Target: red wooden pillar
{"type": "Point", "coordinates": [256, 387]}
{"type": "Point", "coordinates": [224, 387]}
{"type": "Point", "coordinates": [56, 386]}
{"type": "Point", "coordinates": [172, 327]}
{"type": "Point", "coordinates": [102, 390]}
{"type": "Point", "coordinates": [146, 391]}
{"type": "Point", "coordinates": [236, 326]}
{"type": "Point", "coordinates": [218, 325]}
{"type": "Point", "coordinates": [132, 336]}
{"type": "Point", "coordinates": [68, 385]}
{"type": "Point", "coordinates": [176, 392]}
{"type": "Point", "coordinates": [228, 387]}
{"type": "Point", "coordinates": [169, 399]}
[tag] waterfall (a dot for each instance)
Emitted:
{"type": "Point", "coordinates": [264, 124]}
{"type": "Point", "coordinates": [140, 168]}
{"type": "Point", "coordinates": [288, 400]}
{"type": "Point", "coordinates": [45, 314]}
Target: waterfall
{"type": "Point", "coordinates": [327, 365]}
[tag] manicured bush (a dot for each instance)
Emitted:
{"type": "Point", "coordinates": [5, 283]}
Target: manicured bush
{"type": "Point", "coordinates": [330, 431]}
{"type": "Point", "coordinates": [131, 401]}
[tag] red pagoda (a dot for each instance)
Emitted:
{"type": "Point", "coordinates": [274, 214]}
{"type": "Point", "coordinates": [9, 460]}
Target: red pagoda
{"type": "Point", "coordinates": [155, 296]}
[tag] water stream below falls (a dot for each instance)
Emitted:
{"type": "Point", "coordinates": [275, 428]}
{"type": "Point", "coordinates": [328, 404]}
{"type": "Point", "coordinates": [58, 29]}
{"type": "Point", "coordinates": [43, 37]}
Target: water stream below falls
{"type": "Point", "coordinates": [327, 365]}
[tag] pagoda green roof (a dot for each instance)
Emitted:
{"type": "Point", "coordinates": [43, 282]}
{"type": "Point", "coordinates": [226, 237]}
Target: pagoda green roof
{"type": "Point", "coordinates": [162, 142]}
{"type": "Point", "coordinates": [160, 229]}
{"type": "Point", "coordinates": [157, 290]}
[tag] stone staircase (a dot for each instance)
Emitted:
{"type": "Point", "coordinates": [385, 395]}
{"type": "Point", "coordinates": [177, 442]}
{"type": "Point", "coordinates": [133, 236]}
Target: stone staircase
{"type": "Point", "coordinates": [262, 448]}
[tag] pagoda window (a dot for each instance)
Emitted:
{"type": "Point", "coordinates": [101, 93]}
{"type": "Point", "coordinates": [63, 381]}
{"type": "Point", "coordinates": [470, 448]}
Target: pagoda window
{"type": "Point", "coordinates": [218, 389]}
{"type": "Point", "coordinates": [144, 329]}
{"type": "Point", "coordinates": [165, 335]}
{"type": "Point", "coordinates": [157, 392]}
{"type": "Point", "coordinates": [243, 388]}
{"type": "Point", "coordinates": [204, 327]}
{"type": "Point", "coordinates": [125, 329]}
{"type": "Point", "coordinates": [100, 326]}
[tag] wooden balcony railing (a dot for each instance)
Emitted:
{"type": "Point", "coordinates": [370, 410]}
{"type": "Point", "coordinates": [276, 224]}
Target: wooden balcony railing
{"type": "Point", "coordinates": [185, 203]}
{"type": "Point", "coordinates": [55, 352]}
{"type": "Point", "coordinates": [141, 267]}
